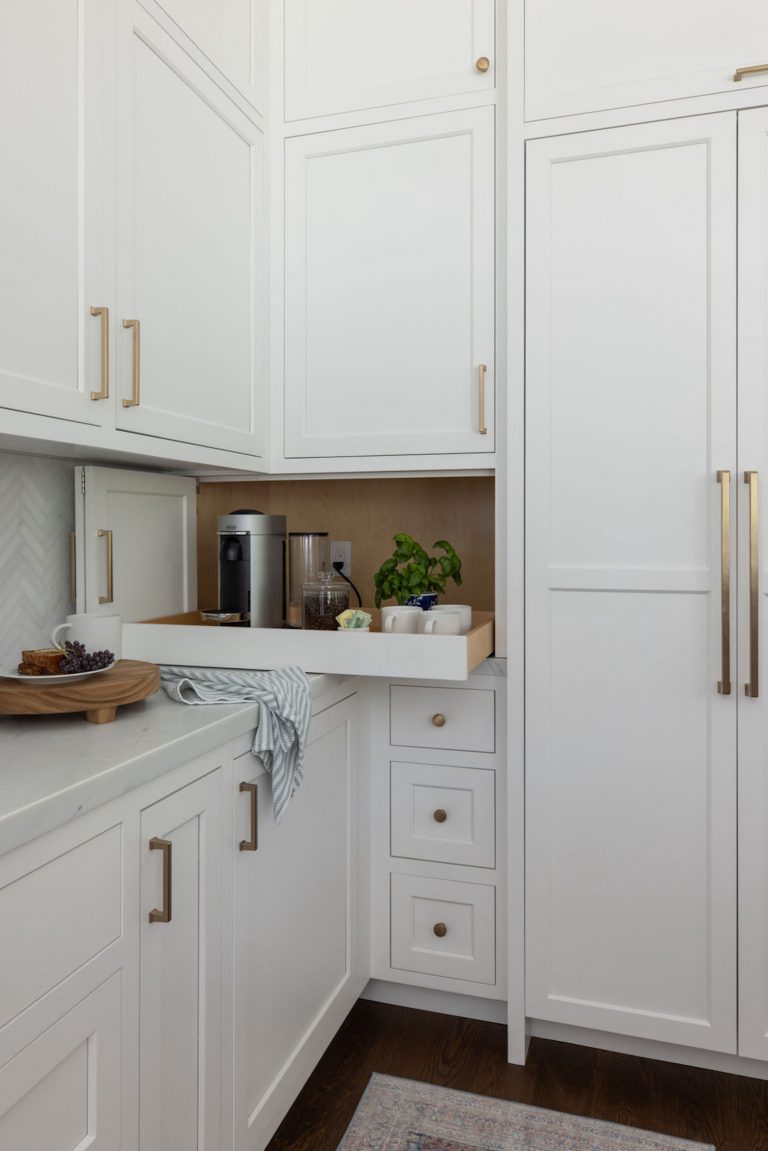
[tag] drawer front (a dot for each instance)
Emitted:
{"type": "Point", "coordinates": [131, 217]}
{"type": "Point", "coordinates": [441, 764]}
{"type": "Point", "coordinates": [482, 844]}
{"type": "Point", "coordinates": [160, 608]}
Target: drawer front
{"type": "Point", "coordinates": [56, 918]}
{"type": "Point", "coordinates": [445, 814]}
{"type": "Point", "coordinates": [441, 927]}
{"type": "Point", "coordinates": [446, 718]}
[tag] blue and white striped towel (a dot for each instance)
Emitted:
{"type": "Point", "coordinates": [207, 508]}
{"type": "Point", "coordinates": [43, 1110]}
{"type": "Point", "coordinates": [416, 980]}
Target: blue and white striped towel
{"type": "Point", "coordinates": [285, 706]}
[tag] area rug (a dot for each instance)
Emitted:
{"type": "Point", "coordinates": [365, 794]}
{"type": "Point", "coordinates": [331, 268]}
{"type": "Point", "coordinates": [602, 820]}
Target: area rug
{"type": "Point", "coordinates": [402, 1115]}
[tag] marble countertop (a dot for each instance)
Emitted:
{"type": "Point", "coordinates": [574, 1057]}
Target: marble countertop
{"type": "Point", "coordinates": [56, 767]}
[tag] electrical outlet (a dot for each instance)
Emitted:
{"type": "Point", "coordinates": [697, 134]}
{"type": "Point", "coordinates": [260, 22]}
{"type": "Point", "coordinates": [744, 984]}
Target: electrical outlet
{"type": "Point", "coordinates": [341, 552]}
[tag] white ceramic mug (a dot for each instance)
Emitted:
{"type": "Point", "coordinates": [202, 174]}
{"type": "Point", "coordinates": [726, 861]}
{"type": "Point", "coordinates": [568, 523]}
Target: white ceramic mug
{"type": "Point", "coordinates": [464, 610]}
{"type": "Point", "coordinates": [445, 622]}
{"type": "Point", "coordinates": [95, 632]}
{"type": "Point", "coordinates": [400, 618]}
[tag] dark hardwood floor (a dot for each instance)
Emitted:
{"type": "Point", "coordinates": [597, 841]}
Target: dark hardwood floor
{"type": "Point", "coordinates": [728, 1111]}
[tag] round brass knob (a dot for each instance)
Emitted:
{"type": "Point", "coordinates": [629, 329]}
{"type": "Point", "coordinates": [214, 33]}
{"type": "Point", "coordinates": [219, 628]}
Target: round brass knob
{"type": "Point", "coordinates": [482, 64]}
{"type": "Point", "coordinates": [438, 720]}
{"type": "Point", "coordinates": [440, 815]}
{"type": "Point", "coordinates": [440, 930]}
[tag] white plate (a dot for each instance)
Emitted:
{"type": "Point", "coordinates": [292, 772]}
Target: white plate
{"type": "Point", "coordinates": [73, 677]}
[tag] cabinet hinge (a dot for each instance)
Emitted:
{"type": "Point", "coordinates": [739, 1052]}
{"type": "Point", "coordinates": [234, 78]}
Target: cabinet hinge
{"type": "Point", "coordinates": [82, 481]}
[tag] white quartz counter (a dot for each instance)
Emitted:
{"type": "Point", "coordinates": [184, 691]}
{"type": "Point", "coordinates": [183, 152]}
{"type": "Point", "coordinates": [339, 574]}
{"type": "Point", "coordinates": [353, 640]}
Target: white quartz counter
{"type": "Point", "coordinates": [53, 768]}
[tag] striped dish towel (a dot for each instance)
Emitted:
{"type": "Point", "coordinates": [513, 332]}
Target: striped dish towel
{"type": "Point", "coordinates": [285, 707]}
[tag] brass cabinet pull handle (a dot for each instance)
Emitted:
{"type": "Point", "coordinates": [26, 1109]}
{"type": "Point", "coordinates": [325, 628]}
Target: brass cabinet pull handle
{"type": "Point", "coordinates": [163, 914]}
{"type": "Point", "coordinates": [102, 533]}
{"type": "Point", "coordinates": [440, 815]}
{"type": "Point", "coordinates": [754, 70]}
{"type": "Point", "coordinates": [724, 480]}
{"type": "Point", "coordinates": [483, 430]}
{"type": "Point", "coordinates": [482, 63]}
{"type": "Point", "coordinates": [135, 399]}
{"type": "Point", "coordinates": [104, 393]}
{"type": "Point", "coordinates": [438, 720]}
{"type": "Point", "coordinates": [252, 844]}
{"type": "Point", "coordinates": [752, 688]}
{"type": "Point", "coordinates": [440, 930]}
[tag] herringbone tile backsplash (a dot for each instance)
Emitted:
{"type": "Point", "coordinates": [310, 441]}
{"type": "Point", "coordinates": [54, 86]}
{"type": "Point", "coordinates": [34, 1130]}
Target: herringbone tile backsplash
{"type": "Point", "coordinates": [37, 514]}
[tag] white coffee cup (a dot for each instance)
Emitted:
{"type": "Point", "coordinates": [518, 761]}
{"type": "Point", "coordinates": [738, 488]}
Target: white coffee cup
{"type": "Point", "coordinates": [95, 632]}
{"type": "Point", "coordinates": [464, 610]}
{"type": "Point", "coordinates": [400, 619]}
{"type": "Point", "coordinates": [445, 622]}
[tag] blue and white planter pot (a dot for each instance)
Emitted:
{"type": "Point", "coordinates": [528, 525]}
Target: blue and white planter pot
{"type": "Point", "coordinates": [425, 602]}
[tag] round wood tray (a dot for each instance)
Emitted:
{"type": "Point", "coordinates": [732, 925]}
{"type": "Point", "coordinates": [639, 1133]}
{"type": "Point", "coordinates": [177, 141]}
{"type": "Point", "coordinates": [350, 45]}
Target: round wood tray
{"type": "Point", "coordinates": [99, 697]}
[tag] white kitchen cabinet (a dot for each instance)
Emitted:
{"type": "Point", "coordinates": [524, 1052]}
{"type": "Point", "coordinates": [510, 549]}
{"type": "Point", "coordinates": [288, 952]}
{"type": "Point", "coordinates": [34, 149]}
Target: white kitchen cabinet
{"type": "Point", "coordinates": [389, 288]}
{"type": "Point", "coordinates": [56, 223]}
{"type": "Point", "coordinates": [189, 265]}
{"type": "Point", "coordinates": [297, 968]}
{"type": "Point", "coordinates": [342, 55]}
{"type": "Point", "coordinates": [600, 54]}
{"type": "Point", "coordinates": [181, 967]}
{"type": "Point", "coordinates": [630, 749]}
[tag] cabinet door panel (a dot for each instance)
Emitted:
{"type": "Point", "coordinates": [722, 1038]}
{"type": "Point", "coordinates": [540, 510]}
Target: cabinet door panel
{"type": "Point", "coordinates": [599, 54]}
{"type": "Point", "coordinates": [631, 410]}
{"type": "Point", "coordinates": [56, 210]}
{"type": "Point", "coordinates": [189, 264]}
{"type": "Point", "coordinates": [389, 288]}
{"type": "Point", "coordinates": [346, 54]}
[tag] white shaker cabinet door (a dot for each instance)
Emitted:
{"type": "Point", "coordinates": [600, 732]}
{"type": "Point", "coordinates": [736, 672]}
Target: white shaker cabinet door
{"type": "Point", "coordinates": [753, 613]}
{"type": "Point", "coordinates": [630, 749]}
{"type": "Point", "coordinates": [389, 293]}
{"type": "Point", "coordinates": [189, 242]}
{"type": "Point", "coordinates": [602, 54]}
{"type": "Point", "coordinates": [56, 205]}
{"type": "Point", "coordinates": [341, 55]}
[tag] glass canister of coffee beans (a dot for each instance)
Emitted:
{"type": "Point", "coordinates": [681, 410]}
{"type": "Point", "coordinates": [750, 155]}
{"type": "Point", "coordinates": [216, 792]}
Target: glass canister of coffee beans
{"type": "Point", "coordinates": [323, 598]}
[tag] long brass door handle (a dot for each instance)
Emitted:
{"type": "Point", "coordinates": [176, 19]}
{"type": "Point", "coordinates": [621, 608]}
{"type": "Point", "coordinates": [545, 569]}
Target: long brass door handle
{"type": "Point", "coordinates": [752, 688]}
{"type": "Point", "coordinates": [163, 914]}
{"type": "Point", "coordinates": [754, 70]}
{"type": "Point", "coordinates": [252, 844]}
{"type": "Point", "coordinates": [135, 399]}
{"type": "Point", "coordinates": [103, 533]}
{"type": "Point", "coordinates": [724, 480]}
{"type": "Point", "coordinates": [481, 427]}
{"type": "Point", "coordinates": [104, 393]}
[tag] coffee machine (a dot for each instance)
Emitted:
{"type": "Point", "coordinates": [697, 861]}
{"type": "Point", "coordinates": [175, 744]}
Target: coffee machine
{"type": "Point", "coordinates": [252, 557]}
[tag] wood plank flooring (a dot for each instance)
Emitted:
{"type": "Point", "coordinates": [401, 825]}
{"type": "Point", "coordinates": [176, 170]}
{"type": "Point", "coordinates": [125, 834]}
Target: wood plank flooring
{"type": "Point", "coordinates": [728, 1111]}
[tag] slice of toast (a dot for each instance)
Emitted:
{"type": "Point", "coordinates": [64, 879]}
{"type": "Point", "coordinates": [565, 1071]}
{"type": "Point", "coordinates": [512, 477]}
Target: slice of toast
{"type": "Point", "coordinates": [41, 661]}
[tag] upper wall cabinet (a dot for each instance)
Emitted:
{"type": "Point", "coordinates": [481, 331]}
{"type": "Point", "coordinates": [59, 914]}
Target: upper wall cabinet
{"type": "Point", "coordinates": [600, 54]}
{"type": "Point", "coordinates": [342, 55]}
{"type": "Point", "coordinates": [56, 110]}
{"type": "Point", "coordinates": [389, 291]}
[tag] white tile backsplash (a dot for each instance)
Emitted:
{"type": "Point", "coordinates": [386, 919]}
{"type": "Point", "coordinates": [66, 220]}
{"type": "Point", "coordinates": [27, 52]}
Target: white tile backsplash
{"type": "Point", "coordinates": [37, 515]}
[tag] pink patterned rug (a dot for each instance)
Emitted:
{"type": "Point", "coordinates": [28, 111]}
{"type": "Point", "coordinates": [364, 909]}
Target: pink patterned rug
{"type": "Point", "coordinates": [402, 1115]}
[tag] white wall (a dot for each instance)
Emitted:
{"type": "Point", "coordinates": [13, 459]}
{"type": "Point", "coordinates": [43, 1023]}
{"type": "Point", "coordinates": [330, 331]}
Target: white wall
{"type": "Point", "coordinates": [37, 514]}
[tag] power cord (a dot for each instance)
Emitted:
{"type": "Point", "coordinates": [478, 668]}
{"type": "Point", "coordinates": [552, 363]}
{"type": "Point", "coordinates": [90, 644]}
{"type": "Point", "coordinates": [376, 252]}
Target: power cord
{"type": "Point", "coordinates": [338, 566]}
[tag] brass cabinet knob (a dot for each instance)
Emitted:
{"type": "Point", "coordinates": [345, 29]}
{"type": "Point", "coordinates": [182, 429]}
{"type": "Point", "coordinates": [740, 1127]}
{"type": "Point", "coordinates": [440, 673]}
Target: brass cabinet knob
{"type": "Point", "coordinates": [438, 720]}
{"type": "Point", "coordinates": [440, 815]}
{"type": "Point", "coordinates": [440, 930]}
{"type": "Point", "coordinates": [482, 64]}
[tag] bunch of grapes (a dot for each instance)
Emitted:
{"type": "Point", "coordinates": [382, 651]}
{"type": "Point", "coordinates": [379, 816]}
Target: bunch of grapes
{"type": "Point", "coordinates": [78, 659]}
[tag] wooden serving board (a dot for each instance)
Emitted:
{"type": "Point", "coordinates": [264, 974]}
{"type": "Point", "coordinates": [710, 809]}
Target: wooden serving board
{"type": "Point", "coordinates": [99, 696]}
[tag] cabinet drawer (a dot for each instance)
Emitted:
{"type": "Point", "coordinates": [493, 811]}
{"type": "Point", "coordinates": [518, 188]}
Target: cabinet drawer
{"type": "Point", "coordinates": [446, 814]}
{"type": "Point", "coordinates": [446, 718]}
{"type": "Point", "coordinates": [56, 918]}
{"type": "Point", "coordinates": [441, 927]}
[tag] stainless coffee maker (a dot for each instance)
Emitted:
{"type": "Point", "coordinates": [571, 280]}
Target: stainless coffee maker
{"type": "Point", "coordinates": [252, 558]}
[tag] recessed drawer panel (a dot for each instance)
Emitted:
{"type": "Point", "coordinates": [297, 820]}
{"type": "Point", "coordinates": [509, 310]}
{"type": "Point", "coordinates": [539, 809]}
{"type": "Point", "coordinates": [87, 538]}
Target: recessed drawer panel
{"type": "Point", "coordinates": [56, 918]}
{"type": "Point", "coordinates": [446, 718]}
{"type": "Point", "coordinates": [443, 813]}
{"type": "Point", "coordinates": [440, 927]}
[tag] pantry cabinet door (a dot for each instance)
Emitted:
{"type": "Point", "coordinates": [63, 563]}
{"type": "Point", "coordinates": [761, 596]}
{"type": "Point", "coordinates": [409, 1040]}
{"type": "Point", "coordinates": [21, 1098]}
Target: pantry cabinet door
{"type": "Point", "coordinates": [189, 251]}
{"type": "Point", "coordinates": [600, 54]}
{"type": "Point", "coordinates": [630, 748]}
{"type": "Point", "coordinates": [180, 1014]}
{"type": "Point", "coordinates": [341, 55]}
{"type": "Point", "coordinates": [389, 291]}
{"type": "Point", "coordinates": [56, 205]}
{"type": "Point", "coordinates": [753, 638]}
